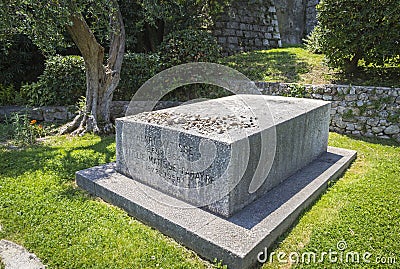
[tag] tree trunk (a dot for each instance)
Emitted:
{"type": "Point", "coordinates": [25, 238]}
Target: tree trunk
{"type": "Point", "coordinates": [351, 66]}
{"type": "Point", "coordinates": [101, 80]}
{"type": "Point", "coordinates": [154, 35]}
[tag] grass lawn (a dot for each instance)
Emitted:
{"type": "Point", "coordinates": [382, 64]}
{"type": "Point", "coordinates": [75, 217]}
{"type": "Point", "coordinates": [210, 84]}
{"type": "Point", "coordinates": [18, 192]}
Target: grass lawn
{"type": "Point", "coordinates": [295, 64]}
{"type": "Point", "coordinates": [42, 209]}
{"type": "Point", "coordinates": [361, 209]}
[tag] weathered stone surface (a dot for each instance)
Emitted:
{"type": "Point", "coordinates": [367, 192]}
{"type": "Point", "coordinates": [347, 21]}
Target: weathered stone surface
{"type": "Point", "coordinates": [64, 113]}
{"type": "Point", "coordinates": [17, 257]}
{"type": "Point", "coordinates": [45, 113]}
{"type": "Point", "coordinates": [392, 129]}
{"type": "Point", "coordinates": [207, 144]}
{"type": "Point", "coordinates": [7, 111]}
{"type": "Point", "coordinates": [233, 40]}
{"type": "Point", "coordinates": [236, 240]}
{"type": "Point", "coordinates": [351, 97]}
{"type": "Point", "coordinates": [37, 114]}
{"type": "Point", "coordinates": [247, 26]}
{"type": "Point", "coordinates": [350, 127]}
{"type": "Point", "coordinates": [368, 111]}
{"type": "Point", "coordinates": [373, 122]}
{"type": "Point", "coordinates": [361, 106]}
{"type": "Point", "coordinates": [291, 18]}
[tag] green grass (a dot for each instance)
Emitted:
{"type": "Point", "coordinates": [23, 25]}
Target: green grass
{"type": "Point", "coordinates": [362, 209]}
{"type": "Point", "coordinates": [295, 64]}
{"type": "Point", "coordinates": [291, 64]}
{"type": "Point", "coordinates": [5, 132]}
{"type": "Point", "coordinates": [42, 209]}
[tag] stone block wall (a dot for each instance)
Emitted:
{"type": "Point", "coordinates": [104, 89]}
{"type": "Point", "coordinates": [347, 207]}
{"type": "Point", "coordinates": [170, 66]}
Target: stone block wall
{"type": "Point", "coordinates": [357, 110]}
{"type": "Point", "coordinates": [248, 25]}
{"type": "Point", "coordinates": [291, 17]}
{"type": "Point", "coordinates": [296, 18]}
{"type": "Point", "coordinates": [262, 24]}
{"type": "Point", "coordinates": [311, 15]}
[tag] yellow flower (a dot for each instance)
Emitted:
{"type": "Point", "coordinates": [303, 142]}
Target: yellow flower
{"type": "Point", "coordinates": [33, 122]}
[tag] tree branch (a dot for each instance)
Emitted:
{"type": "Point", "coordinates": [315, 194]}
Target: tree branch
{"type": "Point", "coordinates": [84, 38]}
{"type": "Point", "coordinates": [117, 48]}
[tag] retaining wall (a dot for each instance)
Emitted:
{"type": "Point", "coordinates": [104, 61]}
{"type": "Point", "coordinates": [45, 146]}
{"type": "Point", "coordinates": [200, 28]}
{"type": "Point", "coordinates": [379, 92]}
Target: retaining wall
{"type": "Point", "coordinates": [261, 24]}
{"type": "Point", "coordinates": [357, 110]}
{"type": "Point", "coordinates": [248, 25]}
{"type": "Point", "coordinates": [66, 113]}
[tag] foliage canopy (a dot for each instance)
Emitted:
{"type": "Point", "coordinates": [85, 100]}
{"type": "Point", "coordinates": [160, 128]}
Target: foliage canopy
{"type": "Point", "coordinates": [351, 30]}
{"type": "Point", "coordinates": [45, 21]}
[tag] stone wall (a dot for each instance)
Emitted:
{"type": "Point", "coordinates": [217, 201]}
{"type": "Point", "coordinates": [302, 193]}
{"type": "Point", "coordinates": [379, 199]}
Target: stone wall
{"type": "Point", "coordinates": [296, 18]}
{"type": "Point", "coordinates": [45, 113]}
{"type": "Point", "coordinates": [311, 15]}
{"type": "Point", "coordinates": [66, 113]}
{"type": "Point", "coordinates": [262, 24]}
{"type": "Point", "coordinates": [357, 110]}
{"type": "Point", "coordinates": [248, 25]}
{"type": "Point", "coordinates": [290, 15]}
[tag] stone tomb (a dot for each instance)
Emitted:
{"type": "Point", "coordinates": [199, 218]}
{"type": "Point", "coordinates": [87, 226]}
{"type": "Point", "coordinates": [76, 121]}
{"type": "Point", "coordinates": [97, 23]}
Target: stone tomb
{"type": "Point", "coordinates": [206, 153]}
{"type": "Point", "coordinates": [225, 177]}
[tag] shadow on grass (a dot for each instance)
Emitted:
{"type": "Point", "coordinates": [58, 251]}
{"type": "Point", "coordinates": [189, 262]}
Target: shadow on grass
{"type": "Point", "coordinates": [63, 161]}
{"type": "Point", "coordinates": [280, 240]}
{"type": "Point", "coordinates": [269, 65]}
{"type": "Point", "coordinates": [373, 140]}
{"type": "Point", "coordinates": [73, 193]}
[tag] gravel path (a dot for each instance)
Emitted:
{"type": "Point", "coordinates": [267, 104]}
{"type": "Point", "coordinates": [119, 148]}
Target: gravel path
{"type": "Point", "coordinates": [15, 256]}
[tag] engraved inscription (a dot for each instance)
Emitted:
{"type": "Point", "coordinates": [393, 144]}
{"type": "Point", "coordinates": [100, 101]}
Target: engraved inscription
{"type": "Point", "coordinates": [164, 158]}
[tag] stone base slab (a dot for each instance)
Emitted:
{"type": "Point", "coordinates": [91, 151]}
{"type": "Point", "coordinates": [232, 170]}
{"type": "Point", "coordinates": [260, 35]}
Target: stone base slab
{"type": "Point", "coordinates": [236, 240]}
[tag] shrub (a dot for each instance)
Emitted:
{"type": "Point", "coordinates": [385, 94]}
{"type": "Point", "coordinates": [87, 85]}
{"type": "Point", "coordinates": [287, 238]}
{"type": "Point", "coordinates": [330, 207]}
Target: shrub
{"type": "Point", "coordinates": [351, 30]}
{"type": "Point", "coordinates": [6, 94]}
{"type": "Point", "coordinates": [188, 45]}
{"type": "Point", "coordinates": [137, 68]}
{"type": "Point", "coordinates": [62, 82]}
{"type": "Point", "coordinates": [20, 61]}
{"type": "Point", "coordinates": [312, 41]}
{"type": "Point", "coordinates": [9, 95]}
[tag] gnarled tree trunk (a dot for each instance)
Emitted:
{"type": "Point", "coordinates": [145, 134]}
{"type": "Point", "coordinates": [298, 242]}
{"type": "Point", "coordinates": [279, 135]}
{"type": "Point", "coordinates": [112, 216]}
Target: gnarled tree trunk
{"type": "Point", "coordinates": [351, 65]}
{"type": "Point", "coordinates": [101, 80]}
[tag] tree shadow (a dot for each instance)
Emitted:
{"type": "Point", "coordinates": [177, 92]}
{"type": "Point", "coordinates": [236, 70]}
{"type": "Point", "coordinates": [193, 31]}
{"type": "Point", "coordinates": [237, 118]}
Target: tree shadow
{"type": "Point", "coordinates": [372, 75]}
{"type": "Point", "coordinates": [265, 65]}
{"type": "Point", "coordinates": [62, 161]}
{"type": "Point", "coordinates": [374, 140]}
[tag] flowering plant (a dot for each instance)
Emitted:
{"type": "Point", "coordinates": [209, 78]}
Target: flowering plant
{"type": "Point", "coordinates": [26, 131]}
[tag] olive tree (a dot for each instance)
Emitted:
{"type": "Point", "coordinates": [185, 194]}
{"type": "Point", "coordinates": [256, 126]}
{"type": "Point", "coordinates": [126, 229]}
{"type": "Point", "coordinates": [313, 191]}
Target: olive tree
{"type": "Point", "coordinates": [46, 23]}
{"type": "Point", "coordinates": [351, 30]}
